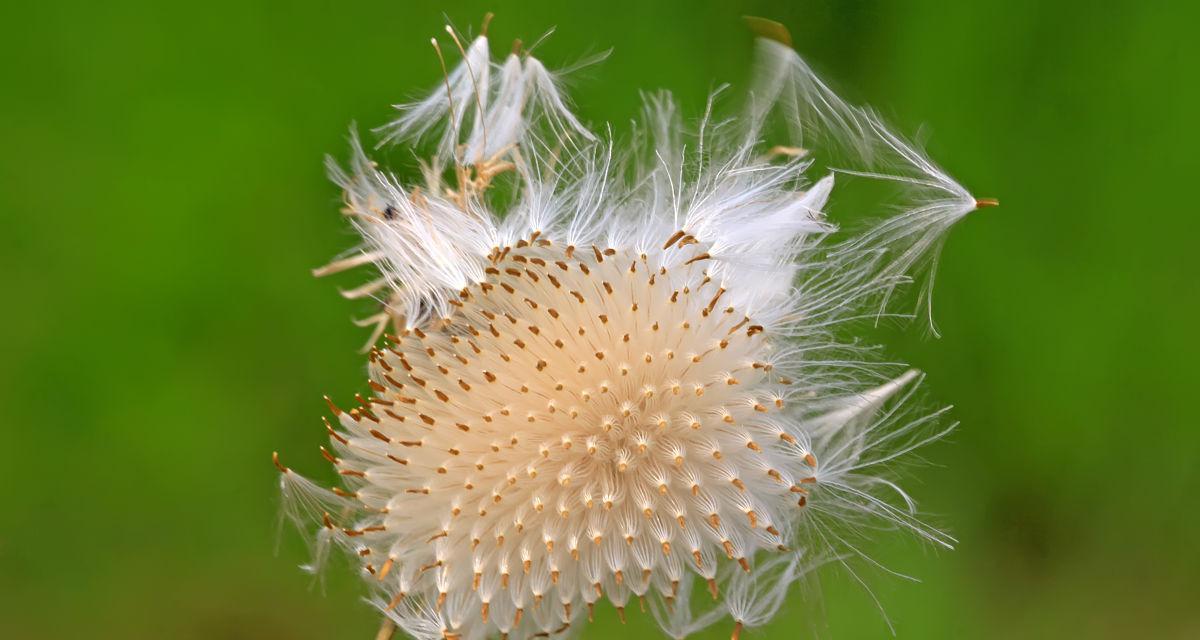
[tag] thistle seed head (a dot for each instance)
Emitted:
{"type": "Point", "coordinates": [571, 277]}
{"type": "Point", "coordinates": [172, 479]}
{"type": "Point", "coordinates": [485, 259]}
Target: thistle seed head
{"type": "Point", "coordinates": [622, 375]}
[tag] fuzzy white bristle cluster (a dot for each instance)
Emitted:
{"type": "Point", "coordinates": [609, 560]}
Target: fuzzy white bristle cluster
{"type": "Point", "coordinates": [619, 376]}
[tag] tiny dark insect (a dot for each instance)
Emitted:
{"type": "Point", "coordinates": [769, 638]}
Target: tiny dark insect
{"type": "Point", "coordinates": [389, 213]}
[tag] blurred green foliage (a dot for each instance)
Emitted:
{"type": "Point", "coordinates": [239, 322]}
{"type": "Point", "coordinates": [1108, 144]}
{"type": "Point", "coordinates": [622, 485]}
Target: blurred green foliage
{"type": "Point", "coordinates": [162, 200]}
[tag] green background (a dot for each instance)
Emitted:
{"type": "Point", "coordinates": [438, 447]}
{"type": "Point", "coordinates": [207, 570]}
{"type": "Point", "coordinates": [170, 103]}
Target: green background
{"type": "Point", "coordinates": [162, 202]}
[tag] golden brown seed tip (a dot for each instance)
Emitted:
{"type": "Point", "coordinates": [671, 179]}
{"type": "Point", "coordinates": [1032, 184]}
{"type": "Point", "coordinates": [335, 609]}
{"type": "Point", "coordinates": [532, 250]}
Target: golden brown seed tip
{"type": "Point", "coordinates": [769, 29]}
{"type": "Point", "coordinates": [673, 239]}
